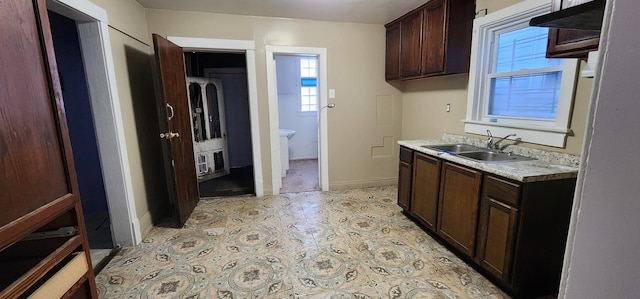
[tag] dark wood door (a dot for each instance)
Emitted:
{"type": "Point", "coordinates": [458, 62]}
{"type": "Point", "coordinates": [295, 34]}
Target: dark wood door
{"type": "Point", "coordinates": [392, 62]}
{"type": "Point", "coordinates": [35, 152]}
{"type": "Point", "coordinates": [411, 44]}
{"type": "Point", "coordinates": [433, 46]}
{"type": "Point", "coordinates": [175, 123]}
{"type": "Point", "coordinates": [458, 209]}
{"type": "Point", "coordinates": [569, 42]}
{"type": "Point", "coordinates": [405, 173]}
{"type": "Point", "coordinates": [37, 175]}
{"type": "Point", "coordinates": [497, 226]}
{"type": "Point", "coordinates": [404, 185]}
{"type": "Point", "coordinates": [426, 182]}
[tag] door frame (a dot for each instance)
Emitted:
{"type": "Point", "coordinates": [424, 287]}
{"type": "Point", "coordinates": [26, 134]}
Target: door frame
{"type": "Point", "coordinates": [93, 33]}
{"type": "Point", "coordinates": [249, 48]}
{"type": "Point", "coordinates": [274, 123]}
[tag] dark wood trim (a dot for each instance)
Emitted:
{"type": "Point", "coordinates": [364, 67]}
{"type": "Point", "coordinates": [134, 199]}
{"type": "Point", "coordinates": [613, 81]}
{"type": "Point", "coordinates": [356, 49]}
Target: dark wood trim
{"type": "Point", "coordinates": [27, 224]}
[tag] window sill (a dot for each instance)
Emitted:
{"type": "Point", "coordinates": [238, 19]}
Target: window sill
{"type": "Point", "coordinates": [549, 136]}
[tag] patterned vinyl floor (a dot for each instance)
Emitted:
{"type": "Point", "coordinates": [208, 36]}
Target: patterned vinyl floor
{"type": "Point", "coordinates": [342, 244]}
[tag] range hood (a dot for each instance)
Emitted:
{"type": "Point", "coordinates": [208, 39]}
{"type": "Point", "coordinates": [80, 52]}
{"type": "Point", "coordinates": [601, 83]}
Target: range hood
{"type": "Point", "coordinates": [586, 16]}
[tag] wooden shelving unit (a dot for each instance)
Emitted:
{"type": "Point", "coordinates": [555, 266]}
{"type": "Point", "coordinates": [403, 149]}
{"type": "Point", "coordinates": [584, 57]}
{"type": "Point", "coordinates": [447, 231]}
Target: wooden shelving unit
{"type": "Point", "coordinates": [44, 250]}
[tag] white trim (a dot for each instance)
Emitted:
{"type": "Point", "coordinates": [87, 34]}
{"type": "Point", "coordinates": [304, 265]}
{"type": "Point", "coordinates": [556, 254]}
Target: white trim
{"type": "Point", "coordinates": [274, 132]}
{"type": "Point", "coordinates": [546, 132]}
{"type": "Point", "coordinates": [547, 136]}
{"type": "Point", "coordinates": [95, 44]}
{"type": "Point", "coordinates": [210, 45]}
{"type": "Point", "coordinates": [589, 135]}
{"type": "Point", "coordinates": [78, 10]}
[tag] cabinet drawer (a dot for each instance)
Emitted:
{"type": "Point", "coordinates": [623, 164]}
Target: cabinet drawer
{"type": "Point", "coordinates": [504, 191]}
{"type": "Point", "coordinates": [406, 155]}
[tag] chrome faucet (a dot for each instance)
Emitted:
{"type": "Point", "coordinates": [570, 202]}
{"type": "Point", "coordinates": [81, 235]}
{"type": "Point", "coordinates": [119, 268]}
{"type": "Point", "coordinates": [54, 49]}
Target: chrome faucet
{"type": "Point", "coordinates": [490, 140]}
{"type": "Point", "coordinates": [496, 145]}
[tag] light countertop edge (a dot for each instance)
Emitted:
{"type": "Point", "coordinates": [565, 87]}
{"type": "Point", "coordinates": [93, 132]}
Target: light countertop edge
{"type": "Point", "coordinates": [522, 171]}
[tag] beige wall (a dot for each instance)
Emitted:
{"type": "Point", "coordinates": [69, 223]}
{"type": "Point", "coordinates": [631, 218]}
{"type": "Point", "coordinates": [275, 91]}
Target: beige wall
{"type": "Point", "coordinates": [358, 124]}
{"type": "Point", "coordinates": [424, 100]}
{"type": "Point", "coordinates": [129, 44]}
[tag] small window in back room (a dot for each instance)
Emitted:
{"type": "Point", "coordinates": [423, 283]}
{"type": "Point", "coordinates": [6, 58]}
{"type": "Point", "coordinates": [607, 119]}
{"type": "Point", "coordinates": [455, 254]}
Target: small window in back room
{"type": "Point", "coordinates": [308, 84]}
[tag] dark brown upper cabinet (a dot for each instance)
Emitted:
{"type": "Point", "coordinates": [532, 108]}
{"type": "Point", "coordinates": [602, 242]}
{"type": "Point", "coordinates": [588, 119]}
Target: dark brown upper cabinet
{"type": "Point", "coordinates": [392, 64]}
{"type": "Point", "coordinates": [571, 43]}
{"type": "Point", "coordinates": [434, 40]}
{"type": "Point", "coordinates": [411, 44]}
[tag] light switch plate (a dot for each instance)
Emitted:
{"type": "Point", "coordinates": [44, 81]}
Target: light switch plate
{"type": "Point", "coordinates": [332, 93]}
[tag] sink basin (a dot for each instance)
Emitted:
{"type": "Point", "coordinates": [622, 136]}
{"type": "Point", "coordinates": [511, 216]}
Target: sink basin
{"type": "Point", "coordinates": [453, 148]}
{"type": "Point", "coordinates": [288, 133]}
{"type": "Point", "coordinates": [487, 156]}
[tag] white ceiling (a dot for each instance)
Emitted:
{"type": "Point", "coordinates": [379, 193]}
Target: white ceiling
{"type": "Point", "coordinates": [356, 11]}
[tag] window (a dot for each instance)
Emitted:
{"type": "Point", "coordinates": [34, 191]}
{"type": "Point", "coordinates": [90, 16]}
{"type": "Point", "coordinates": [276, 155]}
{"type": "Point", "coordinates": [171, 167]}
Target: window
{"type": "Point", "coordinates": [513, 87]}
{"type": "Point", "coordinates": [308, 84]}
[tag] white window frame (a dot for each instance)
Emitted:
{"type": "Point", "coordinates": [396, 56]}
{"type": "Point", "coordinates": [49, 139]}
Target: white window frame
{"type": "Point", "coordinates": [532, 130]}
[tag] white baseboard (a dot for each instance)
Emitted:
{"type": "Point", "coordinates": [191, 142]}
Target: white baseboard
{"type": "Point", "coordinates": [145, 224]}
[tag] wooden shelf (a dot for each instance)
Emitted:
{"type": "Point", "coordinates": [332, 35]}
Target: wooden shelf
{"type": "Point", "coordinates": [586, 16]}
{"type": "Point", "coordinates": [38, 271]}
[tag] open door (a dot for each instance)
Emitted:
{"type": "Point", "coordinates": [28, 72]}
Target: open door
{"type": "Point", "coordinates": [206, 99]}
{"type": "Point", "coordinates": [175, 128]}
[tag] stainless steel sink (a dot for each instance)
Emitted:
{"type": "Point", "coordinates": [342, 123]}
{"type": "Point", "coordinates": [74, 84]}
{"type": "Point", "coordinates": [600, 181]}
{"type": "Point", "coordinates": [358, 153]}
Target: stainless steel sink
{"type": "Point", "coordinates": [477, 154]}
{"type": "Point", "coordinates": [453, 148]}
{"type": "Point", "coordinates": [489, 156]}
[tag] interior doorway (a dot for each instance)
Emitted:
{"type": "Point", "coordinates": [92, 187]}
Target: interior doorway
{"type": "Point", "coordinates": [80, 123]}
{"type": "Point", "coordinates": [297, 90]}
{"type": "Point", "coordinates": [302, 56]}
{"type": "Point", "coordinates": [219, 101]}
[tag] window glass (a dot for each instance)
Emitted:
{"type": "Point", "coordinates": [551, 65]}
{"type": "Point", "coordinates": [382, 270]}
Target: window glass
{"type": "Point", "coordinates": [533, 96]}
{"type": "Point", "coordinates": [308, 84]}
{"type": "Point", "coordinates": [523, 49]}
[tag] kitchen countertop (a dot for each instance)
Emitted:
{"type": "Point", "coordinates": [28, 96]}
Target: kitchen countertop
{"type": "Point", "coordinates": [523, 171]}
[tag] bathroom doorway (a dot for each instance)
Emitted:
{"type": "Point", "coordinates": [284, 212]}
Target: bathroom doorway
{"type": "Point", "coordinates": [308, 91]}
{"type": "Point", "coordinates": [297, 85]}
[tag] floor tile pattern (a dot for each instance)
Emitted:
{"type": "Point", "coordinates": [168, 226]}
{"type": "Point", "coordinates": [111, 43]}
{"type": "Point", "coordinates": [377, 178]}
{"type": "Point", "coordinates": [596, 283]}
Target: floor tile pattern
{"type": "Point", "coordinates": [341, 244]}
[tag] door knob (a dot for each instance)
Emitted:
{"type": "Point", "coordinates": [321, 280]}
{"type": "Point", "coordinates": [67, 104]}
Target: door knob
{"type": "Point", "coordinates": [169, 135]}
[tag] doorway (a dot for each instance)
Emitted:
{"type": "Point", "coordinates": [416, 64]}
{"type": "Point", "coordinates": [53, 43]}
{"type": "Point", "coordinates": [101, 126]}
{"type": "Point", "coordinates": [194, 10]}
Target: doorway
{"type": "Point", "coordinates": [278, 155]}
{"type": "Point", "coordinates": [297, 89]}
{"type": "Point", "coordinates": [93, 37]}
{"type": "Point", "coordinates": [206, 45]}
{"type": "Point", "coordinates": [219, 101]}
{"type": "Point", "coordinates": [83, 139]}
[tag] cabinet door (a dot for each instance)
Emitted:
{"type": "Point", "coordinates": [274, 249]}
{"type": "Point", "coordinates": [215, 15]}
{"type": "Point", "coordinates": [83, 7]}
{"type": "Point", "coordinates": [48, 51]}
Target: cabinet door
{"type": "Point", "coordinates": [426, 181]}
{"type": "Point", "coordinates": [568, 42]}
{"type": "Point", "coordinates": [458, 208]}
{"type": "Point", "coordinates": [497, 227]}
{"type": "Point", "coordinates": [433, 43]}
{"type": "Point", "coordinates": [392, 62]}
{"type": "Point", "coordinates": [404, 185]}
{"type": "Point", "coordinates": [411, 44]}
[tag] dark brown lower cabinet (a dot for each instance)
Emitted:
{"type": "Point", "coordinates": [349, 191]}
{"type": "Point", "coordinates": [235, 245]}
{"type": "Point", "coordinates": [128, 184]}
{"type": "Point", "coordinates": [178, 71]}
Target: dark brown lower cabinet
{"type": "Point", "coordinates": [426, 179]}
{"type": "Point", "coordinates": [497, 226]}
{"type": "Point", "coordinates": [458, 206]}
{"type": "Point", "coordinates": [513, 232]}
{"type": "Point", "coordinates": [405, 170]}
